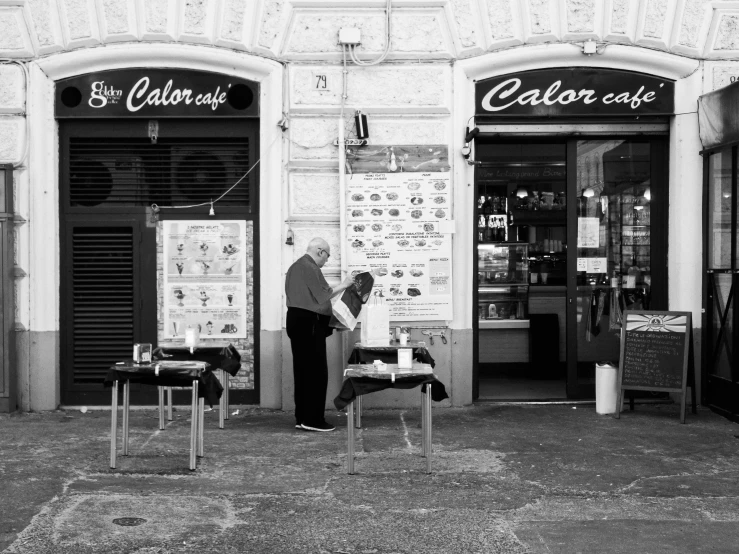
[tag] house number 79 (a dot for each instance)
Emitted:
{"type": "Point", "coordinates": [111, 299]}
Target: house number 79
{"type": "Point", "coordinates": [321, 81]}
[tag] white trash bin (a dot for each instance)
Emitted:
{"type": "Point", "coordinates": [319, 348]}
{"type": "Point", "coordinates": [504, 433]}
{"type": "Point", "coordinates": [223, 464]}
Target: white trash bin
{"type": "Point", "coordinates": [606, 388]}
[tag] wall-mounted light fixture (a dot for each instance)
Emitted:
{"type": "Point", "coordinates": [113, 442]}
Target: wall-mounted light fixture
{"type": "Point", "coordinates": [284, 123]}
{"type": "Point", "coordinates": [589, 47]}
{"type": "Point", "coordinates": [588, 192]}
{"type": "Point", "coordinates": [469, 136]}
{"type": "Point", "coordinates": [289, 237]}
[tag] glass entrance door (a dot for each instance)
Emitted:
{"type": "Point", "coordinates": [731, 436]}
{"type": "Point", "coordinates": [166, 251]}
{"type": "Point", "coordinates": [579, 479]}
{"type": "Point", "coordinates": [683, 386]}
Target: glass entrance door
{"type": "Point", "coordinates": [618, 192]}
{"type": "Point", "coordinates": [586, 219]}
{"type": "Point", "coordinates": [722, 267]}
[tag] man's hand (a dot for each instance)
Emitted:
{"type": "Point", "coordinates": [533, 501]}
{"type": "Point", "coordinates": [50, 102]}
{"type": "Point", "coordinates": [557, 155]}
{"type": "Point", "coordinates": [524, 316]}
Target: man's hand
{"type": "Point", "coordinates": [345, 284]}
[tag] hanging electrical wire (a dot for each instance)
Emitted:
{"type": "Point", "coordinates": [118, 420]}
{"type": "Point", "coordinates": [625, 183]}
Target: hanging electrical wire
{"type": "Point", "coordinates": [155, 208]}
{"type": "Point", "coordinates": [353, 54]}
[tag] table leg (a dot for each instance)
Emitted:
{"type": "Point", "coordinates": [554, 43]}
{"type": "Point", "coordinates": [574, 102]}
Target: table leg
{"type": "Point", "coordinates": [358, 400]}
{"type": "Point", "coordinates": [194, 425]}
{"type": "Point", "coordinates": [169, 403]}
{"type": "Point", "coordinates": [350, 438]}
{"type": "Point", "coordinates": [201, 425]}
{"type": "Point", "coordinates": [424, 446]}
{"type": "Point", "coordinates": [126, 400]}
{"type": "Point", "coordinates": [160, 390]}
{"type": "Point", "coordinates": [429, 434]}
{"type": "Point", "coordinates": [113, 423]}
{"type": "Point", "coordinates": [227, 392]}
{"type": "Point", "coordinates": [223, 405]}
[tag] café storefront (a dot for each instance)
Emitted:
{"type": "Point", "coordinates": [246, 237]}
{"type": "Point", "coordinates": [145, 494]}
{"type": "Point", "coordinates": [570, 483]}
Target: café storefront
{"type": "Point", "coordinates": [158, 213]}
{"type": "Point", "coordinates": [571, 178]}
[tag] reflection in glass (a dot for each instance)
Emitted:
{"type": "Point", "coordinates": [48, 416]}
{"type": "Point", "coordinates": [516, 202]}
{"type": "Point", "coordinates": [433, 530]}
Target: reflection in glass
{"type": "Point", "coordinates": [614, 194]}
{"type": "Point", "coordinates": [719, 210]}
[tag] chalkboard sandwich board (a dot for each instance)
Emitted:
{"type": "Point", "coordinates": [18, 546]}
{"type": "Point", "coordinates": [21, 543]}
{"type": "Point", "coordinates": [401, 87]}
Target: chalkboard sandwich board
{"type": "Point", "coordinates": [656, 353]}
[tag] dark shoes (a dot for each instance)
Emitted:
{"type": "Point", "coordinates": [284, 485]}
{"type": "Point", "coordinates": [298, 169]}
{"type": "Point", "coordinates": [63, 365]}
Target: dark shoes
{"type": "Point", "coordinates": [322, 427]}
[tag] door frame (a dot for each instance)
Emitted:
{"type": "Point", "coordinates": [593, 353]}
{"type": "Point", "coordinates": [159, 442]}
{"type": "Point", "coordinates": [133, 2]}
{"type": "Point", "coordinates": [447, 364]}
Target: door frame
{"type": "Point", "coordinates": [659, 167]}
{"type": "Point", "coordinates": [657, 133]}
{"type": "Point", "coordinates": [719, 394]}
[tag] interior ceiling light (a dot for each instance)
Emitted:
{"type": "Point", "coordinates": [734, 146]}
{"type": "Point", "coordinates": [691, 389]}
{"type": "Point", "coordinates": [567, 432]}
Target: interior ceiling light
{"type": "Point", "coordinates": [647, 194]}
{"type": "Point", "coordinates": [588, 193]}
{"type": "Point", "coordinates": [521, 192]}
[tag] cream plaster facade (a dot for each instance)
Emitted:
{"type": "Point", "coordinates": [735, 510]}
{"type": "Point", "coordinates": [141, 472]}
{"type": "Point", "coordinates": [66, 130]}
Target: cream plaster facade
{"type": "Point", "coordinates": [423, 93]}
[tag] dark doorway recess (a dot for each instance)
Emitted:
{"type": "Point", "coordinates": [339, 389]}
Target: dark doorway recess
{"type": "Point", "coordinates": [111, 173]}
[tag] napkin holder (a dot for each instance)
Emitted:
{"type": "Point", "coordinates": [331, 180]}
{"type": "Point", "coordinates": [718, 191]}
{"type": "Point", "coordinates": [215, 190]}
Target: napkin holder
{"type": "Point", "coordinates": [405, 358]}
{"type": "Point", "coordinates": [192, 337]}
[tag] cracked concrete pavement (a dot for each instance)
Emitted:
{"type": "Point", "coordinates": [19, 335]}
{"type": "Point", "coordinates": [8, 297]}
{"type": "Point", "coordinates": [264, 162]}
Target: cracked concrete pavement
{"type": "Point", "coordinates": [506, 478]}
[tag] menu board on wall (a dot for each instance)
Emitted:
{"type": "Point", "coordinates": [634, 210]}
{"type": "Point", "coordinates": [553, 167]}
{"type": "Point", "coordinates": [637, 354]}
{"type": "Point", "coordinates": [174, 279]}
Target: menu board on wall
{"type": "Point", "coordinates": [204, 278]}
{"type": "Point", "coordinates": [396, 216]}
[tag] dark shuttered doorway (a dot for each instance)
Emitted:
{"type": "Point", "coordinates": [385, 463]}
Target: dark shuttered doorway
{"type": "Point", "coordinates": [111, 173]}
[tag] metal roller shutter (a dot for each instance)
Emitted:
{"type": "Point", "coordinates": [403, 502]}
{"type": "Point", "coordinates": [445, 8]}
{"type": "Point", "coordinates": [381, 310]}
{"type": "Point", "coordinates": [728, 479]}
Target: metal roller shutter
{"type": "Point", "coordinates": [102, 283]}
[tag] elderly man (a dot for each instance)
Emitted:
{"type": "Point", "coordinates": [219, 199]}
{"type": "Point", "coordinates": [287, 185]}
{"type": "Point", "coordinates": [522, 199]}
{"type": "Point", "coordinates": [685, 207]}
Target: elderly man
{"type": "Point", "coordinates": [308, 314]}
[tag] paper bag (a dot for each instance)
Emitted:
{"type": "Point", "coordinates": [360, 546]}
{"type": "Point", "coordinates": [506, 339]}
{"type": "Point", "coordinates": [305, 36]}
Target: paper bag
{"type": "Point", "coordinates": [375, 323]}
{"type": "Point", "coordinates": [347, 306]}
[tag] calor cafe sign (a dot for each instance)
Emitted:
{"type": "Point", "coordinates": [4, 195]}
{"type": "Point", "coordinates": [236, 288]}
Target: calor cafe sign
{"type": "Point", "coordinates": [574, 91]}
{"type": "Point", "coordinates": [156, 93]}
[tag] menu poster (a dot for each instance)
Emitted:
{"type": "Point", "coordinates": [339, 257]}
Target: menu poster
{"type": "Point", "coordinates": [204, 278]}
{"type": "Point", "coordinates": [588, 232]}
{"type": "Point", "coordinates": [394, 225]}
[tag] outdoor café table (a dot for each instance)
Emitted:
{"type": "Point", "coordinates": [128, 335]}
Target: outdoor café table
{"type": "Point", "coordinates": [222, 356]}
{"type": "Point", "coordinates": [163, 374]}
{"type": "Point", "coordinates": [364, 354]}
{"type": "Point", "coordinates": [360, 379]}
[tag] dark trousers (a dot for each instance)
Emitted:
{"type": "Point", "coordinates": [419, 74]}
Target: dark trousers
{"type": "Point", "coordinates": [308, 331]}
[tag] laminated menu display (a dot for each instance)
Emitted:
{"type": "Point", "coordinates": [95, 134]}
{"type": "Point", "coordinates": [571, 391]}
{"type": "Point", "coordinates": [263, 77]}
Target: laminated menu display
{"type": "Point", "coordinates": [395, 222]}
{"type": "Point", "coordinates": [204, 278]}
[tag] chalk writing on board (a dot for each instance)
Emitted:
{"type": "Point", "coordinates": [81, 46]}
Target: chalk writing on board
{"type": "Point", "coordinates": [653, 359]}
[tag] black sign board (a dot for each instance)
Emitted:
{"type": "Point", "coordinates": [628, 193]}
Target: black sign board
{"type": "Point", "coordinates": [656, 351]}
{"type": "Point", "coordinates": [156, 93]}
{"type": "Point", "coordinates": [565, 92]}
